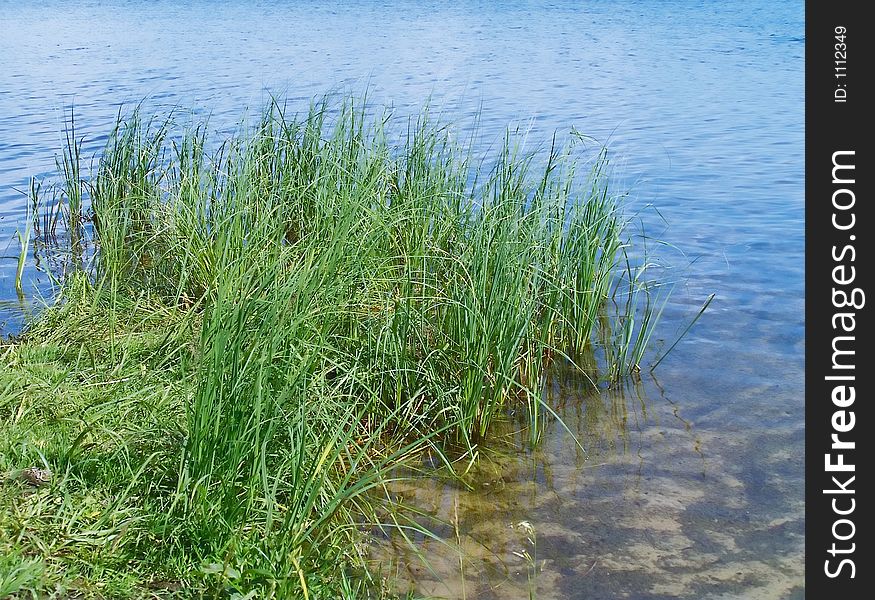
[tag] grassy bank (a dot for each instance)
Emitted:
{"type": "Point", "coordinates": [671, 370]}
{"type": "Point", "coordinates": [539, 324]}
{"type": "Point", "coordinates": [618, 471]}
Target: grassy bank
{"type": "Point", "coordinates": [253, 331]}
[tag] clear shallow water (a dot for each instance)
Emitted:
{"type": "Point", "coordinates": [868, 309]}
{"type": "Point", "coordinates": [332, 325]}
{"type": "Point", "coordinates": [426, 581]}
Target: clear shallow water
{"type": "Point", "coordinates": [699, 493]}
{"type": "Point", "coordinates": [657, 505]}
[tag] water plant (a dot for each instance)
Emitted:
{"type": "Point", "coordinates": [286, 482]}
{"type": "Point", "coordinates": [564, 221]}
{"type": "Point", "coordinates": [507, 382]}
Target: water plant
{"type": "Point", "coordinates": [254, 330]}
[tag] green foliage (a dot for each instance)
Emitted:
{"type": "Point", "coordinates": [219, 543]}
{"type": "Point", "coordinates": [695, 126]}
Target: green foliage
{"type": "Point", "coordinates": [252, 337]}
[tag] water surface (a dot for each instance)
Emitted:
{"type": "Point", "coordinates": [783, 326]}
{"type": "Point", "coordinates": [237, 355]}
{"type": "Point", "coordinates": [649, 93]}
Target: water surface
{"type": "Point", "coordinates": [692, 484]}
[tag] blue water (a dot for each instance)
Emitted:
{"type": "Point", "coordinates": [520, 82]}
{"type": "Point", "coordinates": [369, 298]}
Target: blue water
{"type": "Point", "coordinates": [701, 105]}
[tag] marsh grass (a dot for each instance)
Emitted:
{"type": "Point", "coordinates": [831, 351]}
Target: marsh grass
{"type": "Point", "coordinates": [253, 332]}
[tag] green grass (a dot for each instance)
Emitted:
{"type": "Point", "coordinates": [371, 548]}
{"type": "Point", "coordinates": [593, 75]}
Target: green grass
{"type": "Point", "coordinates": [251, 338]}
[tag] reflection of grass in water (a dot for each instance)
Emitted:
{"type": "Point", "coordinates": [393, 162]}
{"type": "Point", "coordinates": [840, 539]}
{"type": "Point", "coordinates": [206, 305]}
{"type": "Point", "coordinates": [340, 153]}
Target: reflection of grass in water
{"type": "Point", "coordinates": [258, 334]}
{"type": "Point", "coordinates": [531, 558]}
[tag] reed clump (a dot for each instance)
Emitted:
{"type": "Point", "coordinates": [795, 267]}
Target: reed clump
{"type": "Point", "coordinates": [288, 313]}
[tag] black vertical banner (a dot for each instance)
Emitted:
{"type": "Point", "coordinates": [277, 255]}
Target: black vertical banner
{"type": "Point", "coordinates": [838, 388]}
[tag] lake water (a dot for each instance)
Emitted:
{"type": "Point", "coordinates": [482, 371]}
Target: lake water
{"type": "Point", "coordinates": [692, 484]}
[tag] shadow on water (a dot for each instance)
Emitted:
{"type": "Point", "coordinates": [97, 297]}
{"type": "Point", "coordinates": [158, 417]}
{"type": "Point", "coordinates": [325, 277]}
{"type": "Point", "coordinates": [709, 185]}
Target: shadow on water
{"type": "Point", "coordinates": [14, 314]}
{"type": "Point", "coordinates": [652, 506]}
